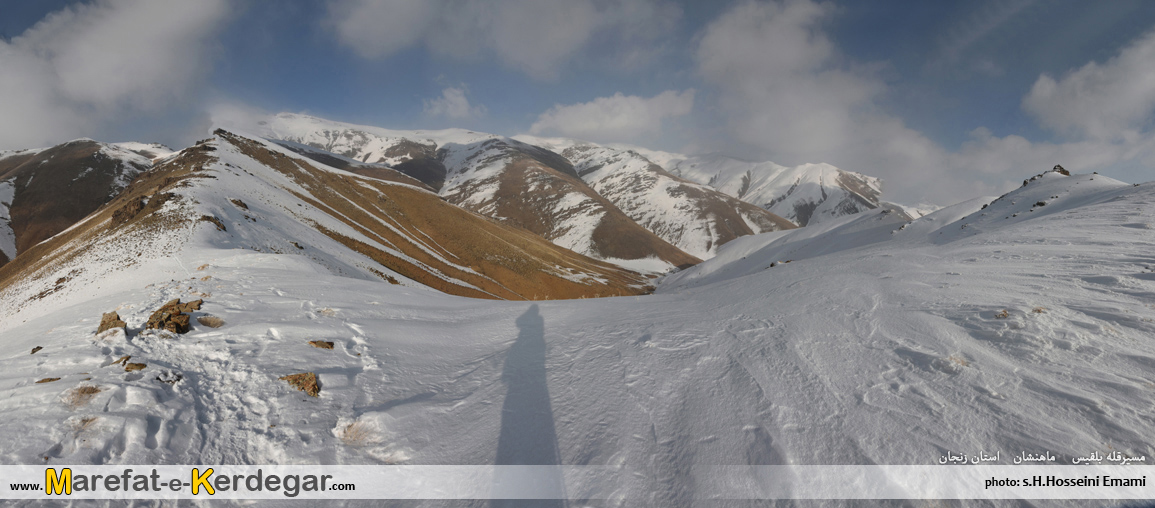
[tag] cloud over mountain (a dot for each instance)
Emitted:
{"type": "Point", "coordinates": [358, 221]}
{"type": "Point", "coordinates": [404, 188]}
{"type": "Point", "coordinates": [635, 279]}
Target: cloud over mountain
{"type": "Point", "coordinates": [1112, 100]}
{"type": "Point", "coordinates": [615, 118]}
{"type": "Point", "coordinates": [786, 93]}
{"type": "Point", "coordinates": [87, 64]}
{"type": "Point", "coordinates": [454, 105]}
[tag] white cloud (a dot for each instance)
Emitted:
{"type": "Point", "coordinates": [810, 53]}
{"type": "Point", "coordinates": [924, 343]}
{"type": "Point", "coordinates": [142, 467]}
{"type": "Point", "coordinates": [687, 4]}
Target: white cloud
{"type": "Point", "coordinates": [620, 118]}
{"type": "Point", "coordinates": [788, 95]}
{"type": "Point", "coordinates": [1113, 100]}
{"type": "Point", "coordinates": [537, 37]}
{"type": "Point", "coordinates": [89, 64]}
{"type": "Point", "coordinates": [453, 105]}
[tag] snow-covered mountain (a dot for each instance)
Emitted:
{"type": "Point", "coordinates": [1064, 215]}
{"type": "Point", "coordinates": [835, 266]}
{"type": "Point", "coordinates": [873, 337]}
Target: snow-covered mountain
{"type": "Point", "coordinates": [236, 192]}
{"type": "Point", "coordinates": [1021, 325]}
{"type": "Point", "coordinates": [517, 183]}
{"type": "Point", "coordinates": [693, 217]}
{"type": "Point", "coordinates": [44, 191]}
{"type": "Point", "coordinates": [805, 194]}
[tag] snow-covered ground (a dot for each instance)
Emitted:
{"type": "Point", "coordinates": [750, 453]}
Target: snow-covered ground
{"type": "Point", "coordinates": [1015, 327]}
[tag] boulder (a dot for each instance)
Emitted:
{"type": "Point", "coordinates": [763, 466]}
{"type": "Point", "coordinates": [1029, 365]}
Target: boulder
{"type": "Point", "coordinates": [109, 321]}
{"type": "Point", "coordinates": [171, 316]}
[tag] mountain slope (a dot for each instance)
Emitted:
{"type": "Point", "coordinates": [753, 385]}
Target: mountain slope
{"type": "Point", "coordinates": [43, 192]}
{"type": "Point", "coordinates": [692, 217]}
{"type": "Point", "coordinates": [520, 184]}
{"type": "Point", "coordinates": [235, 192]}
{"type": "Point", "coordinates": [805, 194]}
{"type": "Point", "coordinates": [877, 344]}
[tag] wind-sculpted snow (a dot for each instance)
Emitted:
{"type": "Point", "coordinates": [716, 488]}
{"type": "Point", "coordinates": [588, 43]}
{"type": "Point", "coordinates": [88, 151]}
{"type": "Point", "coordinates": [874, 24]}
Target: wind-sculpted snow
{"type": "Point", "coordinates": [883, 340]}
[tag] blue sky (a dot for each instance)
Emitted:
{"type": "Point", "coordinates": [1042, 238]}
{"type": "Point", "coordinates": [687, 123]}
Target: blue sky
{"type": "Point", "coordinates": [943, 100]}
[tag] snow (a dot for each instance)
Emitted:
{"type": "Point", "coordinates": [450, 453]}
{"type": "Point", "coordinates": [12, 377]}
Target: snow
{"type": "Point", "coordinates": [361, 142]}
{"type": "Point", "coordinates": [475, 164]}
{"type": "Point", "coordinates": [661, 204]}
{"type": "Point", "coordinates": [876, 344]}
{"type": "Point", "coordinates": [786, 191]}
{"type": "Point", "coordinates": [807, 192]}
{"type": "Point", "coordinates": [151, 151]}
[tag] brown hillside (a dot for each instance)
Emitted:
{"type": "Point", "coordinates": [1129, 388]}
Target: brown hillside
{"type": "Point", "coordinates": [535, 180]}
{"type": "Point", "coordinates": [412, 232]}
{"type": "Point", "coordinates": [504, 262]}
{"type": "Point", "coordinates": [57, 187]}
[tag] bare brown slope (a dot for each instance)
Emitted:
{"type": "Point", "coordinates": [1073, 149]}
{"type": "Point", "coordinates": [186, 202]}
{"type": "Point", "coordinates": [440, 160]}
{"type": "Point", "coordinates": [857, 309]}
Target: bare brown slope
{"type": "Point", "coordinates": [57, 187]}
{"type": "Point", "coordinates": [41, 264]}
{"type": "Point", "coordinates": [535, 180]}
{"type": "Point", "coordinates": [502, 261]}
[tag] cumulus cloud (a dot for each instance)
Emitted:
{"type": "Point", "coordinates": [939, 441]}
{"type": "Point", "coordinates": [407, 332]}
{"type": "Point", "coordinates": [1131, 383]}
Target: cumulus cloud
{"type": "Point", "coordinates": [1101, 101]}
{"type": "Point", "coordinates": [534, 36]}
{"type": "Point", "coordinates": [617, 118]}
{"type": "Point", "coordinates": [453, 105]}
{"type": "Point", "coordinates": [88, 64]}
{"type": "Point", "coordinates": [786, 93]}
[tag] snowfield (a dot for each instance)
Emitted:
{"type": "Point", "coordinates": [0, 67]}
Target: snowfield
{"type": "Point", "coordinates": [883, 340]}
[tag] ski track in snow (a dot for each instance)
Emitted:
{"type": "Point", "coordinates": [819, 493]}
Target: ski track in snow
{"type": "Point", "coordinates": [881, 341]}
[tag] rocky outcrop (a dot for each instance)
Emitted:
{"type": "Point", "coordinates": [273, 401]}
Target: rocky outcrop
{"type": "Point", "coordinates": [173, 316]}
{"type": "Point", "coordinates": [108, 321]}
{"type": "Point", "coordinates": [128, 211]}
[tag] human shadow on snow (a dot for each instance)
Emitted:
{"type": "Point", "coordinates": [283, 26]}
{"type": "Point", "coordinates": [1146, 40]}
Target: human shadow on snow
{"type": "Point", "coordinates": [528, 436]}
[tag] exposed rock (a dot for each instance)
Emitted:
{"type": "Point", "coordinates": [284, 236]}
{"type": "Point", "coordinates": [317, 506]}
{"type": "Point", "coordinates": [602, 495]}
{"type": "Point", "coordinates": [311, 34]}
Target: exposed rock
{"type": "Point", "coordinates": [171, 316]}
{"type": "Point", "coordinates": [1059, 169]}
{"type": "Point", "coordinates": [48, 380]}
{"type": "Point", "coordinates": [215, 221]}
{"type": "Point", "coordinates": [122, 360]}
{"type": "Point", "coordinates": [134, 367]}
{"type": "Point", "coordinates": [323, 344]}
{"type": "Point", "coordinates": [35, 349]}
{"type": "Point", "coordinates": [211, 321]}
{"type": "Point", "coordinates": [190, 306]}
{"type": "Point", "coordinates": [109, 321]}
{"type": "Point", "coordinates": [305, 381]}
{"type": "Point", "coordinates": [128, 211]}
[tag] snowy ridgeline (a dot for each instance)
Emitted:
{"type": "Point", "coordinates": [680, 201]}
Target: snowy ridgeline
{"type": "Point", "coordinates": [1022, 326]}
